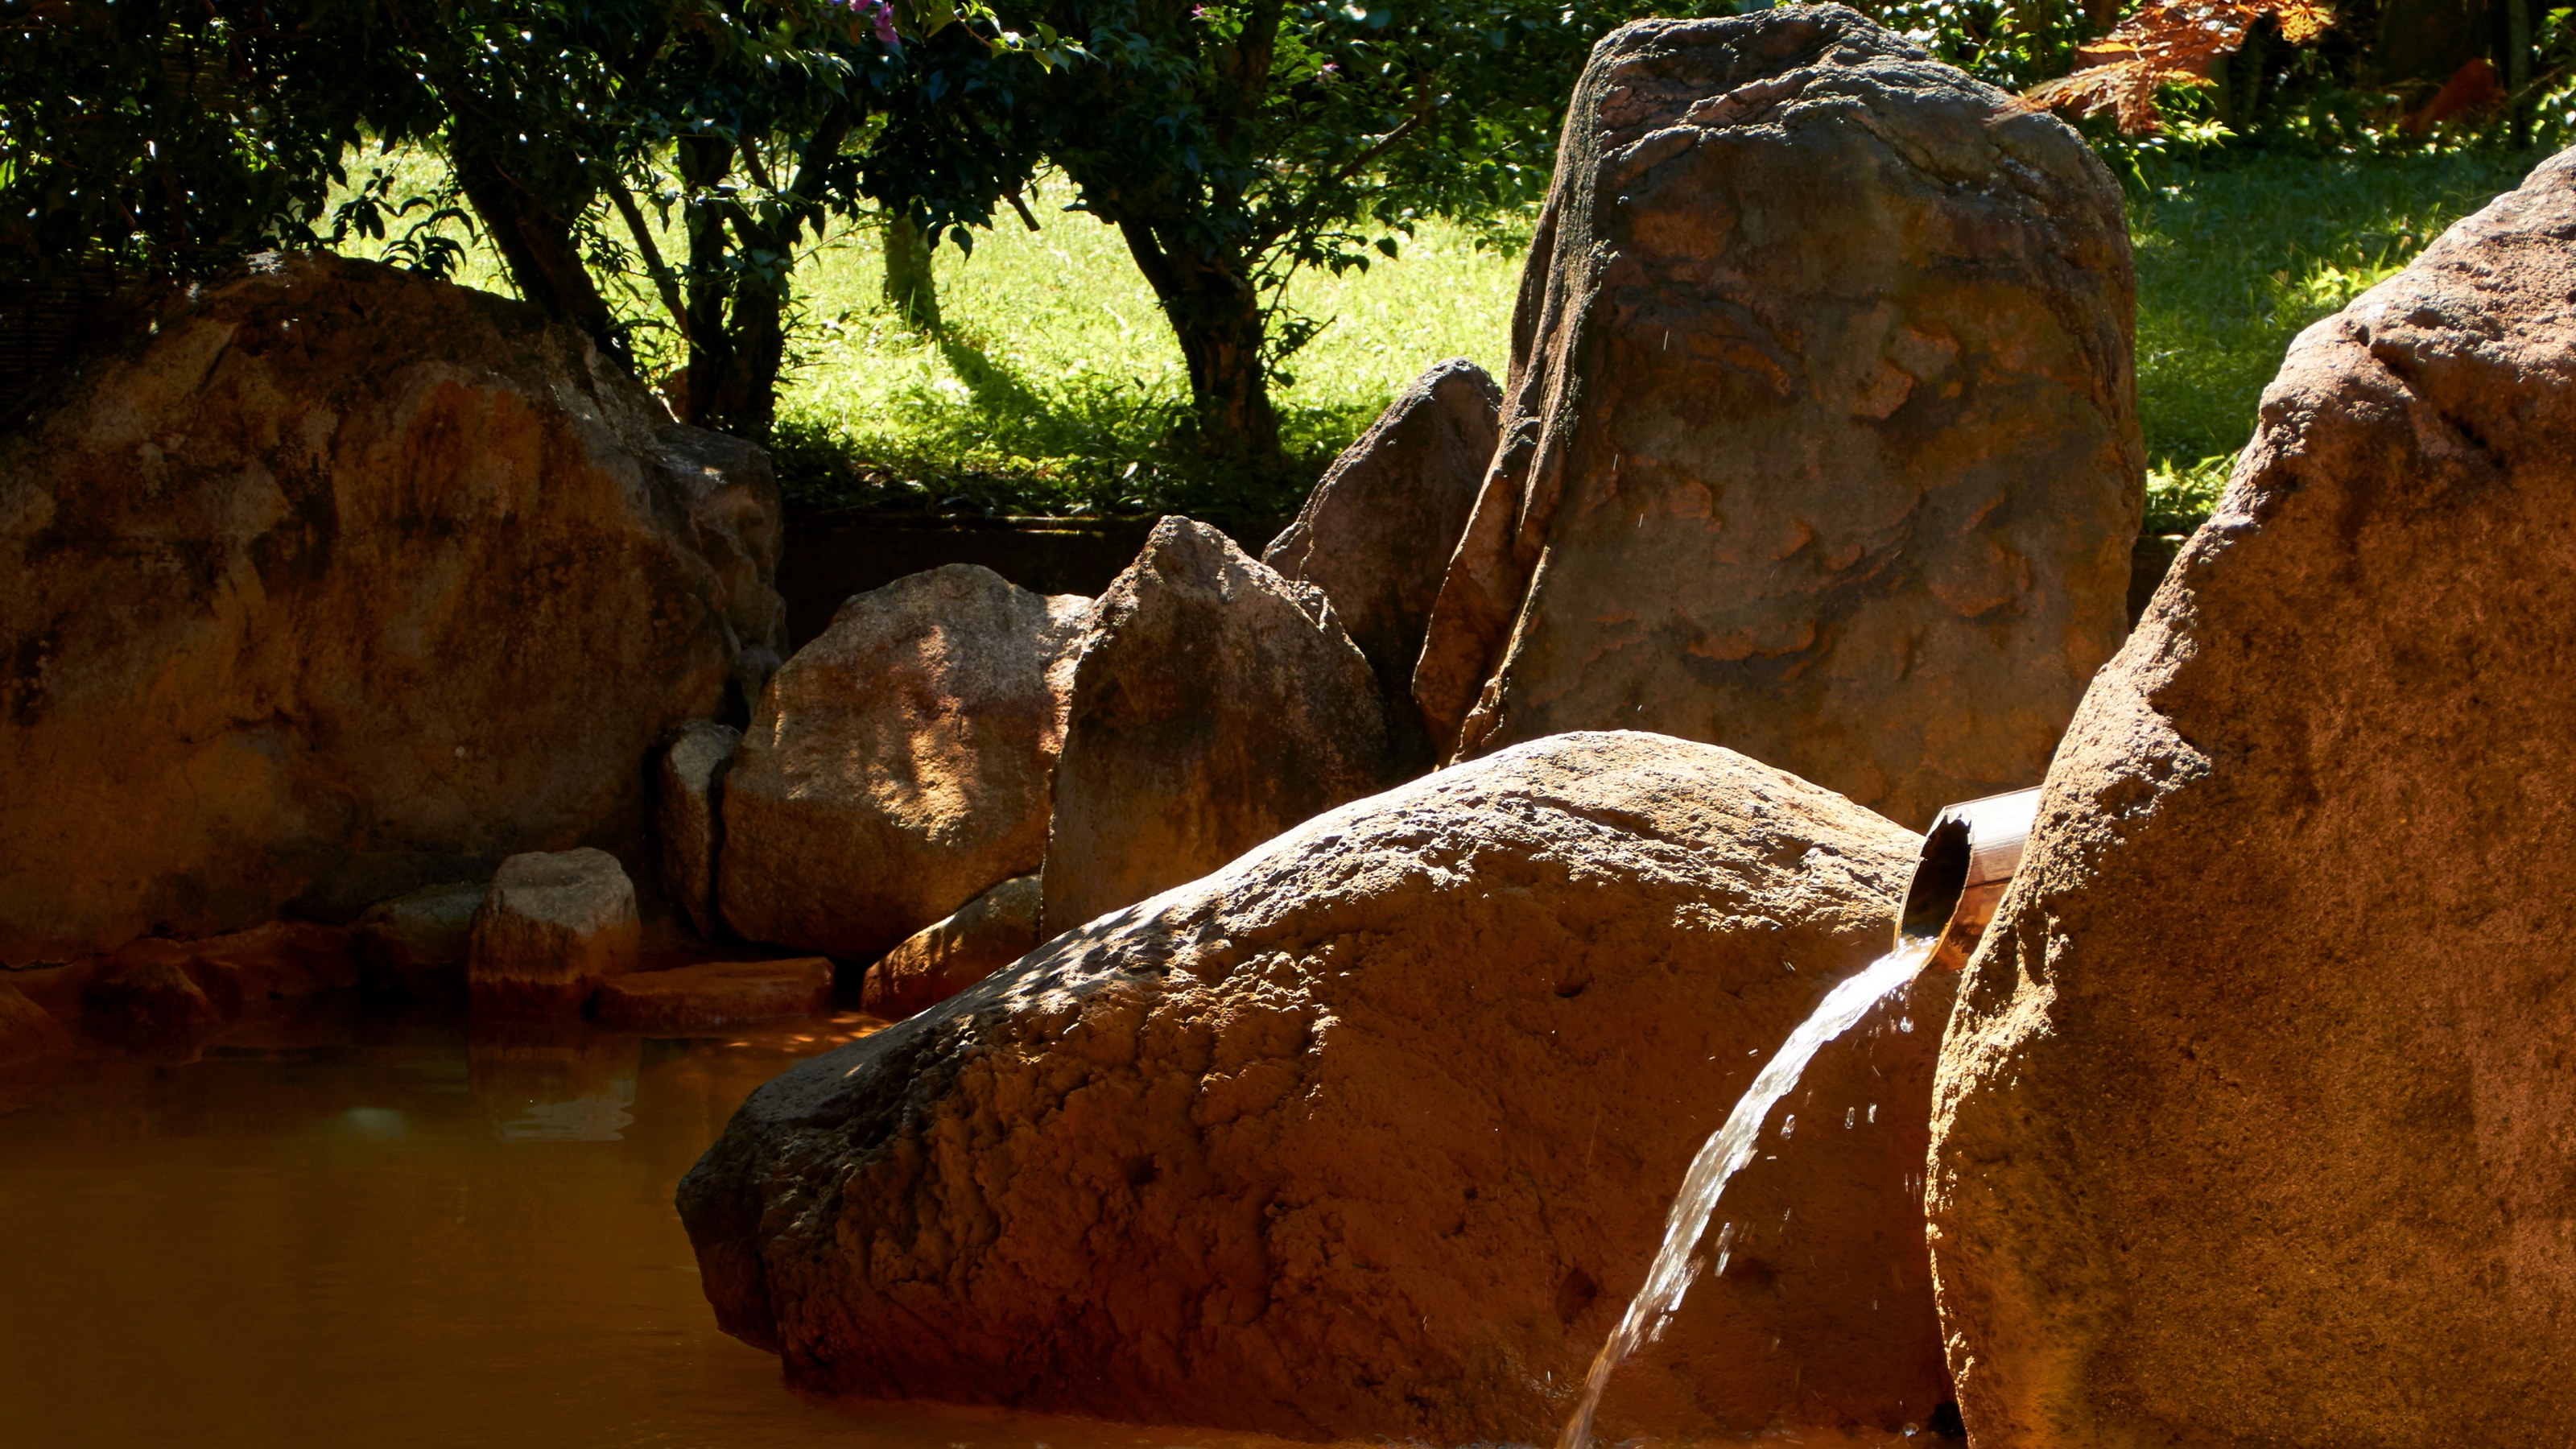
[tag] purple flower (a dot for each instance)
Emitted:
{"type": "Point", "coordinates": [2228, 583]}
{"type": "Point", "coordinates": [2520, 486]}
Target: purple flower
{"type": "Point", "coordinates": [880, 14]}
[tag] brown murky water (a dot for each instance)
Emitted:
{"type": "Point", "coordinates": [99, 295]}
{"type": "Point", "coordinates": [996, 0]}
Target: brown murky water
{"type": "Point", "coordinates": [381, 1232]}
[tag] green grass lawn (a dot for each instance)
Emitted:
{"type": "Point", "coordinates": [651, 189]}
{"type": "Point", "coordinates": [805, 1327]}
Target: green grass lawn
{"type": "Point", "coordinates": [1054, 378]}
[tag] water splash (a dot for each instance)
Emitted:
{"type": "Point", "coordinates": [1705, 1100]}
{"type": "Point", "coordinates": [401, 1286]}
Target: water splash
{"type": "Point", "coordinates": [1719, 1159]}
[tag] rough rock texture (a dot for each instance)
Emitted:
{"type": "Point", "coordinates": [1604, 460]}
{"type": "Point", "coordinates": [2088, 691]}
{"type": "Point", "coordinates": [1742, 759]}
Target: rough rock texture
{"type": "Point", "coordinates": [1215, 704]}
{"type": "Point", "coordinates": [987, 933]}
{"type": "Point", "coordinates": [1377, 532]}
{"type": "Point", "coordinates": [554, 927]}
{"type": "Point", "coordinates": [416, 943]}
{"type": "Point", "coordinates": [2254, 1119]}
{"type": "Point", "coordinates": [716, 994]}
{"type": "Point", "coordinates": [686, 821]}
{"type": "Point", "coordinates": [1820, 440]}
{"type": "Point", "coordinates": [898, 764]}
{"type": "Point", "coordinates": [28, 1032]}
{"type": "Point", "coordinates": [341, 582]}
{"type": "Point", "coordinates": [1371, 1132]}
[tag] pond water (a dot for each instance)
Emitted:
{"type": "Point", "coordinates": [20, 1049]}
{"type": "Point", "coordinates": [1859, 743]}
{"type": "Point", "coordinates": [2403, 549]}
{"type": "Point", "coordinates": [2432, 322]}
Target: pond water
{"type": "Point", "coordinates": [379, 1231]}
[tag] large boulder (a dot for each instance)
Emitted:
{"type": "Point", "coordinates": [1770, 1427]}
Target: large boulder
{"type": "Point", "coordinates": [1377, 531]}
{"type": "Point", "coordinates": [1372, 1132]}
{"type": "Point", "coordinates": [336, 581]}
{"type": "Point", "coordinates": [1821, 418]}
{"type": "Point", "coordinates": [899, 763]}
{"type": "Point", "coordinates": [2254, 1121]}
{"type": "Point", "coordinates": [1214, 705]}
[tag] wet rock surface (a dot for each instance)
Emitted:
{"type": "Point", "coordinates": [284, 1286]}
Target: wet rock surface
{"type": "Point", "coordinates": [416, 944]}
{"type": "Point", "coordinates": [938, 961]}
{"type": "Point", "coordinates": [341, 582]}
{"type": "Point", "coordinates": [715, 995]}
{"type": "Point", "coordinates": [1372, 1131]}
{"type": "Point", "coordinates": [1214, 705]}
{"type": "Point", "coordinates": [1821, 415]}
{"type": "Point", "coordinates": [899, 764]}
{"type": "Point", "coordinates": [2252, 1122]}
{"type": "Point", "coordinates": [686, 821]}
{"type": "Point", "coordinates": [554, 927]}
{"type": "Point", "coordinates": [1377, 531]}
{"type": "Point", "coordinates": [28, 1032]}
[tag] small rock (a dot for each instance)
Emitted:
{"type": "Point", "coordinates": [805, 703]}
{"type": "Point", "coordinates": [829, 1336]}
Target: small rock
{"type": "Point", "coordinates": [1215, 704]}
{"type": "Point", "coordinates": [555, 925]}
{"type": "Point", "coordinates": [899, 763]}
{"type": "Point", "coordinates": [280, 960]}
{"type": "Point", "coordinates": [146, 997]}
{"type": "Point", "coordinates": [28, 1032]}
{"type": "Point", "coordinates": [686, 820]}
{"type": "Point", "coordinates": [987, 933]}
{"type": "Point", "coordinates": [718, 994]}
{"type": "Point", "coordinates": [416, 943]}
{"type": "Point", "coordinates": [1377, 532]}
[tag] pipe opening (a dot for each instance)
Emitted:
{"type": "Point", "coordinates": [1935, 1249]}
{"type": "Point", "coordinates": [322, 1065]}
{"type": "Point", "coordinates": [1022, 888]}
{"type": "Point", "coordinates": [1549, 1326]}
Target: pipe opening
{"type": "Point", "coordinates": [1940, 878]}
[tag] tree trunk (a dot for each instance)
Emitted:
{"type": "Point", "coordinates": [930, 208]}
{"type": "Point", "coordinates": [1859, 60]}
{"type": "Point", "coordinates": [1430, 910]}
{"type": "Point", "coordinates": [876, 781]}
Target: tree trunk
{"type": "Point", "coordinates": [1216, 313]}
{"type": "Point", "coordinates": [910, 288]}
{"type": "Point", "coordinates": [536, 241]}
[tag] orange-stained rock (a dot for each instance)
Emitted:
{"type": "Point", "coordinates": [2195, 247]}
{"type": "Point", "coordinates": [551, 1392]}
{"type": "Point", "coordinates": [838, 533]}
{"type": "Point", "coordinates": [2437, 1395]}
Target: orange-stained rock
{"type": "Point", "coordinates": [280, 960]}
{"type": "Point", "coordinates": [939, 960]}
{"type": "Point", "coordinates": [1214, 705]}
{"type": "Point", "coordinates": [416, 943]}
{"type": "Point", "coordinates": [1372, 1132]}
{"type": "Point", "coordinates": [1820, 440]}
{"type": "Point", "coordinates": [554, 927]}
{"type": "Point", "coordinates": [28, 1032]}
{"type": "Point", "coordinates": [1377, 531]}
{"type": "Point", "coordinates": [149, 997]}
{"type": "Point", "coordinates": [686, 821]}
{"type": "Point", "coordinates": [339, 582]}
{"type": "Point", "coordinates": [2257, 1119]}
{"type": "Point", "coordinates": [899, 763]}
{"type": "Point", "coordinates": [716, 994]}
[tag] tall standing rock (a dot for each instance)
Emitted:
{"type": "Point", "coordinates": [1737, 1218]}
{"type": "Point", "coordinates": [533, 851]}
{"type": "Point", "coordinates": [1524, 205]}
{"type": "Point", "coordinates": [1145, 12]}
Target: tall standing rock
{"type": "Point", "coordinates": [1214, 705]}
{"type": "Point", "coordinates": [338, 582]}
{"type": "Point", "coordinates": [1820, 439]}
{"type": "Point", "coordinates": [899, 763]}
{"type": "Point", "coordinates": [1372, 1132]}
{"type": "Point", "coordinates": [1377, 532]}
{"type": "Point", "coordinates": [2254, 1121]}
{"type": "Point", "coordinates": [687, 823]}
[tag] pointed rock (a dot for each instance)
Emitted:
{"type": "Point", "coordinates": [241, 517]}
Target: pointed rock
{"type": "Point", "coordinates": [1377, 532]}
{"type": "Point", "coordinates": [1822, 421]}
{"type": "Point", "coordinates": [1214, 705]}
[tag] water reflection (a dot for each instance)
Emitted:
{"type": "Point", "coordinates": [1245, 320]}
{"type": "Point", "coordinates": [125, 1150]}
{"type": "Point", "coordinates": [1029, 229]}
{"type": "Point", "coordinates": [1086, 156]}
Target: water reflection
{"type": "Point", "coordinates": [342, 1229]}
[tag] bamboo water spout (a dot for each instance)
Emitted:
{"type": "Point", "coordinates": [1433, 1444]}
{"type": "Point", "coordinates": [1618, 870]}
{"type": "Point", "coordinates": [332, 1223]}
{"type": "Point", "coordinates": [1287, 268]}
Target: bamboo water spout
{"type": "Point", "coordinates": [1969, 856]}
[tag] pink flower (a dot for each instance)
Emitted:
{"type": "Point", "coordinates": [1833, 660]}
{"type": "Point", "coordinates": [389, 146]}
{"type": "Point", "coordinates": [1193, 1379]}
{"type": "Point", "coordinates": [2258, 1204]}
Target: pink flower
{"type": "Point", "coordinates": [880, 14]}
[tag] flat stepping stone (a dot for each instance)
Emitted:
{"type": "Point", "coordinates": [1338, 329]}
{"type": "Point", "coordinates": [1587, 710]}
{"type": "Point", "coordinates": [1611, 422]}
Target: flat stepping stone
{"type": "Point", "coordinates": [716, 995]}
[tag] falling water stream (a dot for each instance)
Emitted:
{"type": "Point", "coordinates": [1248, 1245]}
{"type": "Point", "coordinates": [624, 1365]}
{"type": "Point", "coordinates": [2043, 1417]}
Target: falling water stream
{"type": "Point", "coordinates": [1720, 1158]}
